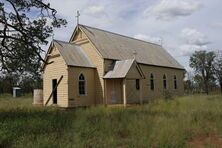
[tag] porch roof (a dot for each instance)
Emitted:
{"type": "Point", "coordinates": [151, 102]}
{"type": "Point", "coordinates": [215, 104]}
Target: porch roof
{"type": "Point", "coordinates": [120, 70]}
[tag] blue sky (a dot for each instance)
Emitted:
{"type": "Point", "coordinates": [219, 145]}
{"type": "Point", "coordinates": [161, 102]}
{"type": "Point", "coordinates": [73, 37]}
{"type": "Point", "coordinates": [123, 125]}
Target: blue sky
{"type": "Point", "coordinates": [182, 26]}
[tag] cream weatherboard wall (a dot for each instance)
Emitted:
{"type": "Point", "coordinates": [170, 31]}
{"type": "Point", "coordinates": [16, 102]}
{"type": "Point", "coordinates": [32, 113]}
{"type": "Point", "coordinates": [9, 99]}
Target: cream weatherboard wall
{"type": "Point", "coordinates": [158, 73]}
{"type": "Point", "coordinates": [73, 90]}
{"type": "Point", "coordinates": [132, 94]}
{"type": "Point", "coordinates": [96, 58]}
{"type": "Point", "coordinates": [147, 94]}
{"type": "Point", "coordinates": [54, 71]}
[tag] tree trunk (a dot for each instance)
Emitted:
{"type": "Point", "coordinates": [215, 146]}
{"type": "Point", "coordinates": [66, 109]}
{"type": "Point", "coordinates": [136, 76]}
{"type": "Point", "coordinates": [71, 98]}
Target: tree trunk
{"type": "Point", "coordinates": [206, 87]}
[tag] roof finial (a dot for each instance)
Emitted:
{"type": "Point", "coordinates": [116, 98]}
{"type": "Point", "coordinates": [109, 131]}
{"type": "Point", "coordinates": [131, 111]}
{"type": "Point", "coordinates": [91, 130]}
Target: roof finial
{"type": "Point", "coordinates": [134, 54]}
{"type": "Point", "coordinates": [77, 16]}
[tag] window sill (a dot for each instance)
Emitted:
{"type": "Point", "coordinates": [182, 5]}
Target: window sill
{"type": "Point", "coordinates": [83, 95]}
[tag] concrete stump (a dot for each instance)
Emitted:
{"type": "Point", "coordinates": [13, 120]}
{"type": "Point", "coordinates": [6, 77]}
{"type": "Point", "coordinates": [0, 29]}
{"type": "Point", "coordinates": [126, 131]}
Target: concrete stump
{"type": "Point", "coordinates": [38, 97]}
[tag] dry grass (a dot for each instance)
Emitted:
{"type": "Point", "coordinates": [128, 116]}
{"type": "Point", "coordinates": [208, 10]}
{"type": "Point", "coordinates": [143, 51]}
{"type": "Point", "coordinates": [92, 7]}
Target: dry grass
{"type": "Point", "coordinates": [188, 121]}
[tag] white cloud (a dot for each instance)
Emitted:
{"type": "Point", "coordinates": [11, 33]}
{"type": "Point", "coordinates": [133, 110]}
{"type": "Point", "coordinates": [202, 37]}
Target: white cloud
{"type": "Point", "coordinates": [1, 26]}
{"type": "Point", "coordinates": [193, 40]}
{"type": "Point", "coordinates": [188, 49]}
{"type": "Point", "coordinates": [97, 14]}
{"type": "Point", "coordinates": [216, 25]}
{"type": "Point", "coordinates": [156, 40]}
{"type": "Point", "coordinates": [95, 10]}
{"type": "Point", "coordinates": [194, 37]}
{"type": "Point", "coordinates": [172, 9]}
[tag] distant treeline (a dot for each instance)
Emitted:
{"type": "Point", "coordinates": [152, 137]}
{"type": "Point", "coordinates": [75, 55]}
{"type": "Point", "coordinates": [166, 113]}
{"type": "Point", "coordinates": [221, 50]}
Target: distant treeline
{"type": "Point", "coordinates": [27, 83]}
{"type": "Point", "coordinates": [206, 76]}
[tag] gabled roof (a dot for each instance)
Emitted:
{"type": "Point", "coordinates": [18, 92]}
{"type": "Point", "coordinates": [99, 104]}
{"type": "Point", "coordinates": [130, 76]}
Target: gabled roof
{"type": "Point", "coordinates": [73, 54]}
{"type": "Point", "coordinates": [121, 68]}
{"type": "Point", "coordinates": [118, 47]}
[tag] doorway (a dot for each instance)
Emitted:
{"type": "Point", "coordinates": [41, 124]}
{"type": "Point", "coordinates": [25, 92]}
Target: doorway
{"type": "Point", "coordinates": [114, 91]}
{"type": "Point", "coordinates": [54, 88]}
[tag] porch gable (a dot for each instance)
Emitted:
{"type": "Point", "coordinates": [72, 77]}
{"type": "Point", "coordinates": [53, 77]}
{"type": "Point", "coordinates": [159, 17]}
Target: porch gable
{"type": "Point", "coordinates": [125, 69]}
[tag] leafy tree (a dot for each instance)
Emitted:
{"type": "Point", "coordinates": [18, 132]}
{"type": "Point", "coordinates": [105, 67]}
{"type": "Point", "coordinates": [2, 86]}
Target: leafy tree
{"type": "Point", "coordinates": [189, 83]}
{"type": "Point", "coordinates": [218, 68]}
{"type": "Point", "coordinates": [25, 25]}
{"type": "Point", "coordinates": [198, 83]}
{"type": "Point", "coordinates": [202, 63]}
{"type": "Point", "coordinates": [28, 83]}
{"type": "Point", "coordinates": [7, 82]}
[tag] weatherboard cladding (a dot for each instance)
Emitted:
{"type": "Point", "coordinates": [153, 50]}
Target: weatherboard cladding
{"type": "Point", "coordinates": [119, 47]}
{"type": "Point", "coordinates": [73, 54]}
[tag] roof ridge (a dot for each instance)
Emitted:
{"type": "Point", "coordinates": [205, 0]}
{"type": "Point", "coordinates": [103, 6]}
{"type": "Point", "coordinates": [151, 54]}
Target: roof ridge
{"type": "Point", "coordinates": [64, 42]}
{"type": "Point", "coordinates": [58, 40]}
{"type": "Point", "coordinates": [119, 34]}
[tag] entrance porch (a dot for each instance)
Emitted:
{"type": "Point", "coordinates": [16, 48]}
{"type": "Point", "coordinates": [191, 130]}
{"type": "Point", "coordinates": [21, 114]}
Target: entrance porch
{"type": "Point", "coordinates": [123, 91]}
{"type": "Point", "coordinates": [123, 84]}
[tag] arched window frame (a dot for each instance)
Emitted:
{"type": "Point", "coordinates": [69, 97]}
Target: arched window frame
{"type": "Point", "coordinates": [175, 82]}
{"type": "Point", "coordinates": [164, 81]}
{"type": "Point", "coordinates": [83, 84]}
{"type": "Point", "coordinates": [152, 82]}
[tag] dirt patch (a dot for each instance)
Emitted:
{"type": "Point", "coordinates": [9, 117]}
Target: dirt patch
{"type": "Point", "coordinates": [123, 133]}
{"type": "Point", "coordinates": [202, 141]}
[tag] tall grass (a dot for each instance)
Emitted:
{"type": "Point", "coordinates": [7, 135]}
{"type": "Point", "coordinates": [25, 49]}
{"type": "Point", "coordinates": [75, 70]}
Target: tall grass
{"type": "Point", "coordinates": [171, 123]}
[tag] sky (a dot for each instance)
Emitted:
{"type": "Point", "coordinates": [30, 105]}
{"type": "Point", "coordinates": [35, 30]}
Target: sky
{"type": "Point", "coordinates": [180, 26]}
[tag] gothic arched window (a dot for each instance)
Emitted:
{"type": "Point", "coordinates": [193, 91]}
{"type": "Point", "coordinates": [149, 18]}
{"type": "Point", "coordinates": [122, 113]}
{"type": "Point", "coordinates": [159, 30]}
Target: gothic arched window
{"type": "Point", "coordinates": [151, 82]}
{"type": "Point", "coordinates": [175, 81]}
{"type": "Point", "coordinates": [164, 82]}
{"type": "Point", "coordinates": [82, 85]}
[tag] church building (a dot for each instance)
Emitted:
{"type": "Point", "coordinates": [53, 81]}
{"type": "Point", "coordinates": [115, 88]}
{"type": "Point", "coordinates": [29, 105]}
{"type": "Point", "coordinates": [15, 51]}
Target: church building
{"type": "Point", "coordinates": [101, 67]}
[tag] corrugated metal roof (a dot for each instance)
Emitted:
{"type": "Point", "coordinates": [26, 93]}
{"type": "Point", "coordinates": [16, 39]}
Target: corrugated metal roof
{"type": "Point", "coordinates": [73, 54]}
{"type": "Point", "coordinates": [119, 47]}
{"type": "Point", "coordinates": [120, 69]}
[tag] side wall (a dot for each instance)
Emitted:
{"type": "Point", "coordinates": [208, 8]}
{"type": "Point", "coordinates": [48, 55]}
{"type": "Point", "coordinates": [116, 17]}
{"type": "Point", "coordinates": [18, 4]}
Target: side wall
{"type": "Point", "coordinates": [158, 73]}
{"type": "Point", "coordinates": [74, 98]}
{"type": "Point", "coordinates": [97, 60]}
{"type": "Point", "coordinates": [54, 71]}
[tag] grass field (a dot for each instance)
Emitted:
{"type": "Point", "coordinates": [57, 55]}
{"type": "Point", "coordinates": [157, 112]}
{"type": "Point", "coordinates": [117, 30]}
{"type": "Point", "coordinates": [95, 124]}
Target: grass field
{"type": "Point", "coordinates": [188, 121]}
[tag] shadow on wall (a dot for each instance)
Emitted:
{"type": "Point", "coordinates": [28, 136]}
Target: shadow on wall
{"type": "Point", "coordinates": [99, 89]}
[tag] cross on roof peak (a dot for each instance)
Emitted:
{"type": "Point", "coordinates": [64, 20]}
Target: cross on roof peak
{"type": "Point", "coordinates": [77, 16]}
